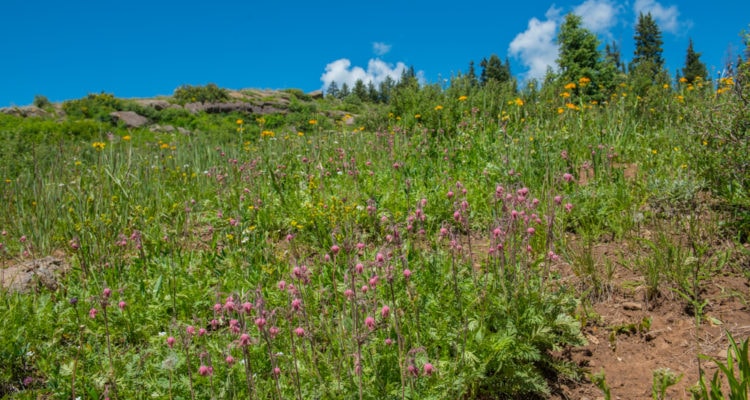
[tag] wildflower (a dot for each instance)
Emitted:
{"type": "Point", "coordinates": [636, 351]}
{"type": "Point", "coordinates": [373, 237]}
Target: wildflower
{"type": "Point", "coordinates": [229, 360]}
{"type": "Point", "coordinates": [407, 274]}
{"type": "Point", "coordinates": [560, 110]}
{"type": "Point", "coordinates": [462, 98]}
{"type": "Point", "coordinates": [281, 285]}
{"type": "Point", "coordinates": [335, 249]}
{"type": "Point", "coordinates": [564, 95]}
{"type": "Point", "coordinates": [518, 101]}
{"type": "Point", "coordinates": [558, 199]}
{"type": "Point", "coordinates": [299, 331]}
{"type": "Point", "coordinates": [277, 371]}
{"type": "Point", "coordinates": [584, 81]}
{"type": "Point", "coordinates": [568, 207]}
{"type": "Point", "coordinates": [205, 370]}
{"type": "Point", "coordinates": [92, 313]}
{"type": "Point", "coordinates": [413, 370]}
{"type": "Point", "coordinates": [190, 330]}
{"type": "Point", "coordinates": [122, 305]}
{"type": "Point", "coordinates": [312, 121]}
{"type": "Point", "coordinates": [428, 369]}
{"type": "Point", "coordinates": [567, 177]}
{"type": "Point", "coordinates": [99, 146]}
{"type": "Point", "coordinates": [260, 322]}
{"type": "Point", "coordinates": [683, 80]}
{"type": "Point", "coordinates": [370, 323]}
{"type": "Point", "coordinates": [267, 134]}
{"type": "Point", "coordinates": [438, 107]}
{"type": "Point", "coordinates": [570, 86]}
{"type": "Point", "coordinates": [170, 341]}
{"type": "Point", "coordinates": [126, 138]}
{"type": "Point", "coordinates": [106, 293]}
{"type": "Point", "coordinates": [530, 231]}
{"type": "Point", "coordinates": [417, 116]}
{"type": "Point", "coordinates": [385, 311]}
{"type": "Point", "coordinates": [388, 341]}
{"type": "Point", "coordinates": [244, 340]}
{"type": "Point", "coordinates": [273, 331]}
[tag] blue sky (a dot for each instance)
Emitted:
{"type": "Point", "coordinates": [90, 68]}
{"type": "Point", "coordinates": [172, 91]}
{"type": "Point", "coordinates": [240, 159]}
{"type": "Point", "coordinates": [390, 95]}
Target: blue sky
{"type": "Point", "coordinates": [67, 49]}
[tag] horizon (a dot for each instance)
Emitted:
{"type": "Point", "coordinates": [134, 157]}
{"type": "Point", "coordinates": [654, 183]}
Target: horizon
{"type": "Point", "coordinates": [144, 50]}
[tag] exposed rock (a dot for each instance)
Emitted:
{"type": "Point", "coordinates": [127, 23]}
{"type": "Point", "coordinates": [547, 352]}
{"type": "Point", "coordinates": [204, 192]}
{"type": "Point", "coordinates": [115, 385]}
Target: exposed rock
{"type": "Point", "coordinates": [220, 108]}
{"type": "Point", "coordinates": [33, 275]}
{"type": "Point", "coordinates": [316, 94]}
{"type": "Point", "coordinates": [129, 118]}
{"type": "Point", "coordinates": [156, 104]}
{"type": "Point", "coordinates": [163, 129]}
{"type": "Point", "coordinates": [632, 306]}
{"type": "Point", "coordinates": [25, 111]}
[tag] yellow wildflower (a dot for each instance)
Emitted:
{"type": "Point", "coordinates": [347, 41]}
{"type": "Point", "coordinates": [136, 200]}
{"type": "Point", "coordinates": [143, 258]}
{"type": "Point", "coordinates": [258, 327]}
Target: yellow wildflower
{"type": "Point", "coordinates": [99, 146]}
{"type": "Point", "coordinates": [126, 138]}
{"type": "Point", "coordinates": [570, 86]}
{"type": "Point", "coordinates": [312, 121]}
{"type": "Point", "coordinates": [438, 107]}
{"type": "Point", "coordinates": [463, 98]}
{"type": "Point", "coordinates": [518, 101]}
{"type": "Point", "coordinates": [564, 95]}
{"type": "Point", "coordinates": [240, 122]}
{"type": "Point", "coordinates": [267, 134]}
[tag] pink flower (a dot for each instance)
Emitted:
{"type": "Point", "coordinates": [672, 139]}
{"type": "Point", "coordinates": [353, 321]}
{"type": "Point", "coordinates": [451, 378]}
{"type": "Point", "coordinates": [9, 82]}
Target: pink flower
{"type": "Point", "coordinates": [558, 200]}
{"type": "Point", "coordinates": [413, 370]}
{"type": "Point", "coordinates": [122, 305]}
{"type": "Point", "coordinates": [407, 274]}
{"type": "Point", "coordinates": [428, 369]}
{"type": "Point", "coordinates": [299, 331]}
{"type": "Point", "coordinates": [449, 194]}
{"type": "Point", "coordinates": [205, 370]}
{"type": "Point", "coordinates": [107, 292]}
{"type": "Point", "coordinates": [277, 371]}
{"type": "Point", "coordinates": [273, 331]}
{"type": "Point", "coordinates": [281, 285]}
{"type": "Point", "coordinates": [296, 304]}
{"type": "Point", "coordinates": [190, 330]}
{"type": "Point", "coordinates": [568, 207]}
{"type": "Point", "coordinates": [370, 323]}
{"type": "Point", "coordinates": [244, 340]}
{"type": "Point", "coordinates": [202, 331]}
{"type": "Point", "coordinates": [359, 268]}
{"type": "Point", "coordinates": [388, 341]}
{"type": "Point", "coordinates": [92, 313]}
{"type": "Point", "coordinates": [217, 307]}
{"type": "Point", "coordinates": [170, 341]}
{"type": "Point", "coordinates": [247, 307]}
{"type": "Point", "coordinates": [567, 177]}
{"type": "Point", "coordinates": [229, 360]}
{"type": "Point", "coordinates": [349, 293]}
{"type": "Point", "coordinates": [23, 239]}
{"type": "Point", "coordinates": [385, 311]}
{"type": "Point", "coordinates": [260, 322]}
{"type": "Point", "coordinates": [530, 231]}
{"type": "Point", "coordinates": [335, 249]}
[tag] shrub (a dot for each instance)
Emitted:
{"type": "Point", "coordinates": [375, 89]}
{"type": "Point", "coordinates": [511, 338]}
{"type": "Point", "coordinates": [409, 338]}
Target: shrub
{"type": "Point", "coordinates": [201, 94]}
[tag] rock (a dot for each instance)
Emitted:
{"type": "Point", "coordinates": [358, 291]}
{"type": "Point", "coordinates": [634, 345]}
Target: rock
{"type": "Point", "coordinates": [25, 111]}
{"type": "Point", "coordinates": [237, 106]}
{"type": "Point", "coordinates": [156, 104]}
{"type": "Point", "coordinates": [316, 94]}
{"type": "Point", "coordinates": [632, 306]}
{"type": "Point", "coordinates": [129, 118]}
{"type": "Point", "coordinates": [33, 274]}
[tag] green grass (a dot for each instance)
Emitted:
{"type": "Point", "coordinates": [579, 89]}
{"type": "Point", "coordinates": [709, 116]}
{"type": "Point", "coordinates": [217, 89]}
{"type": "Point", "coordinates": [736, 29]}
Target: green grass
{"type": "Point", "coordinates": [448, 211]}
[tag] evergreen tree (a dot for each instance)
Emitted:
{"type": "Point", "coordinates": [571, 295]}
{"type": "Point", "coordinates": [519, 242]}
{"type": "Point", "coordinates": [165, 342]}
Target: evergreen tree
{"type": "Point", "coordinates": [333, 90]}
{"type": "Point", "coordinates": [472, 75]}
{"type": "Point", "coordinates": [580, 61]}
{"type": "Point", "coordinates": [360, 90]}
{"type": "Point", "coordinates": [386, 89]}
{"type": "Point", "coordinates": [493, 69]}
{"type": "Point", "coordinates": [694, 67]}
{"type": "Point", "coordinates": [612, 54]}
{"type": "Point", "coordinates": [372, 92]}
{"type": "Point", "coordinates": [647, 59]}
{"type": "Point", "coordinates": [344, 92]}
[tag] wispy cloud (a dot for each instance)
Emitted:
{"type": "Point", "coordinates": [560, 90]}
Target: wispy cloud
{"type": "Point", "coordinates": [599, 16]}
{"type": "Point", "coordinates": [341, 71]}
{"type": "Point", "coordinates": [380, 48]}
{"type": "Point", "coordinates": [536, 47]}
{"type": "Point", "coordinates": [668, 18]}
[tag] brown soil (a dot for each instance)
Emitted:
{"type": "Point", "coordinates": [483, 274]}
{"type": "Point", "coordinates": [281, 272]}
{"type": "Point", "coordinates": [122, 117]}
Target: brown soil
{"type": "Point", "coordinates": [627, 351]}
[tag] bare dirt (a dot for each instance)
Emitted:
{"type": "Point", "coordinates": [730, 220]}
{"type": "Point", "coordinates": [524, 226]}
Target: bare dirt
{"type": "Point", "coordinates": [629, 337]}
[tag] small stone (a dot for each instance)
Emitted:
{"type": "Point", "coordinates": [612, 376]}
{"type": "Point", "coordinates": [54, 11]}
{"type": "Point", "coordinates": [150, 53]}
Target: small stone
{"type": "Point", "coordinates": [632, 306]}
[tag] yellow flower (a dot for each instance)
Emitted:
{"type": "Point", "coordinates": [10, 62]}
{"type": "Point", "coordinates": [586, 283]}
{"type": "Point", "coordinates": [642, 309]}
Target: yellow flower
{"type": "Point", "coordinates": [584, 81]}
{"type": "Point", "coordinates": [418, 116]}
{"type": "Point", "coordinates": [126, 138]}
{"type": "Point", "coordinates": [462, 98]}
{"type": "Point", "coordinates": [267, 134]}
{"type": "Point", "coordinates": [654, 151]}
{"type": "Point", "coordinates": [571, 106]}
{"type": "Point", "coordinates": [564, 95]}
{"type": "Point", "coordinates": [164, 146]}
{"type": "Point", "coordinates": [312, 121]}
{"type": "Point", "coordinates": [78, 163]}
{"type": "Point", "coordinates": [570, 86]}
{"type": "Point", "coordinates": [666, 86]}
{"type": "Point", "coordinates": [240, 122]}
{"type": "Point", "coordinates": [560, 110]}
{"type": "Point", "coordinates": [99, 146]}
{"type": "Point", "coordinates": [518, 101]}
{"type": "Point", "coordinates": [683, 80]}
{"type": "Point", "coordinates": [300, 134]}
{"type": "Point", "coordinates": [438, 107]}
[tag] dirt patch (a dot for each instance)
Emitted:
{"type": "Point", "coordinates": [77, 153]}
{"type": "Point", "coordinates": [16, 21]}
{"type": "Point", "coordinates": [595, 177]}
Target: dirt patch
{"type": "Point", "coordinates": [33, 275]}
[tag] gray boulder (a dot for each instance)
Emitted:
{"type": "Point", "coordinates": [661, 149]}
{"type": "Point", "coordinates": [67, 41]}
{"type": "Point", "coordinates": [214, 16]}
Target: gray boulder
{"type": "Point", "coordinates": [129, 118]}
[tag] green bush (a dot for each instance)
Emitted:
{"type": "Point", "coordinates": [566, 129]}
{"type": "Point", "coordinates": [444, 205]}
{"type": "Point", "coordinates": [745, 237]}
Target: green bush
{"type": "Point", "coordinates": [200, 94]}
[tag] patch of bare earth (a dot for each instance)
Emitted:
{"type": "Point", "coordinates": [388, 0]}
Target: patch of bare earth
{"type": "Point", "coordinates": [627, 349]}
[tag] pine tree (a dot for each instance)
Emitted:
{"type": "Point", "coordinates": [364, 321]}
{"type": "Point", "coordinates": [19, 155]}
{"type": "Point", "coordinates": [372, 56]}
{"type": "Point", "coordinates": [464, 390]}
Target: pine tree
{"type": "Point", "coordinates": [333, 90]}
{"type": "Point", "coordinates": [344, 92]}
{"type": "Point", "coordinates": [386, 89]}
{"type": "Point", "coordinates": [612, 54]}
{"type": "Point", "coordinates": [694, 67]}
{"type": "Point", "coordinates": [580, 61]}
{"type": "Point", "coordinates": [360, 90]}
{"type": "Point", "coordinates": [472, 75]}
{"type": "Point", "coordinates": [493, 69]}
{"type": "Point", "coordinates": [647, 66]}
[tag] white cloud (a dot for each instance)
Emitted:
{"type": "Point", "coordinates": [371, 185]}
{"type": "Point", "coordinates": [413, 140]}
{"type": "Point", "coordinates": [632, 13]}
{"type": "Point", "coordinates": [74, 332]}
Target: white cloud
{"type": "Point", "coordinates": [536, 47]}
{"type": "Point", "coordinates": [341, 71]}
{"type": "Point", "coordinates": [380, 48]}
{"type": "Point", "coordinates": [598, 15]}
{"type": "Point", "coordinates": [666, 17]}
